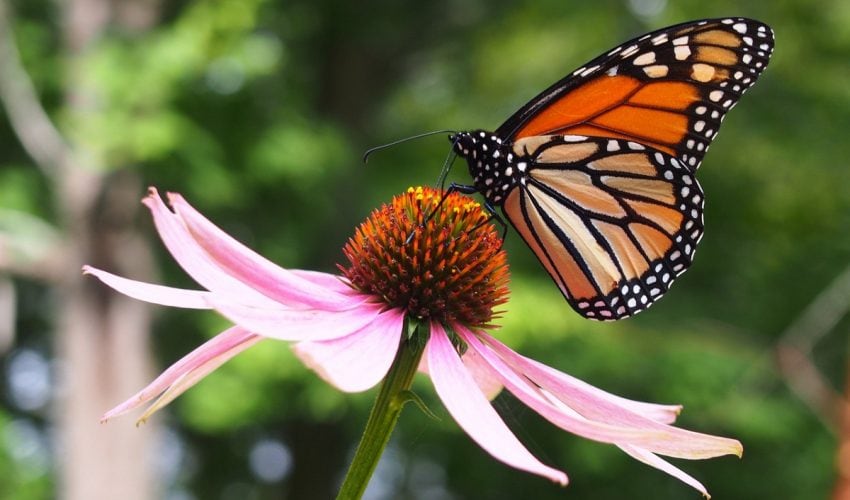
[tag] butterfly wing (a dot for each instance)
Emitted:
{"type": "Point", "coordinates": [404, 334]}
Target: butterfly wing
{"type": "Point", "coordinates": [613, 222]}
{"type": "Point", "coordinates": [668, 89]}
{"type": "Point", "coordinates": [610, 205]}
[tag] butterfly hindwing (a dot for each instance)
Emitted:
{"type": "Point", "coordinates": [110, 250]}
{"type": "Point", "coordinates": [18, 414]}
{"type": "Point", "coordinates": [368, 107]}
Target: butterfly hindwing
{"type": "Point", "coordinates": [668, 89]}
{"type": "Point", "coordinates": [614, 222]}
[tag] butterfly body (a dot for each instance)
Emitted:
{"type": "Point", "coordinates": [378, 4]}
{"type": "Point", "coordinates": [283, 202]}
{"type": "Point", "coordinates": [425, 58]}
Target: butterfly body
{"type": "Point", "coordinates": [493, 165]}
{"type": "Point", "coordinates": [597, 173]}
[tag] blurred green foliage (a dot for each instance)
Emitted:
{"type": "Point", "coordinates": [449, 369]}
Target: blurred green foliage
{"type": "Point", "coordinates": [258, 113]}
{"type": "Point", "coordinates": [22, 462]}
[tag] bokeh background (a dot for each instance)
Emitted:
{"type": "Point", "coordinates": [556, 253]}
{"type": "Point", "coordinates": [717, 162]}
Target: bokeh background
{"type": "Point", "coordinates": [258, 112]}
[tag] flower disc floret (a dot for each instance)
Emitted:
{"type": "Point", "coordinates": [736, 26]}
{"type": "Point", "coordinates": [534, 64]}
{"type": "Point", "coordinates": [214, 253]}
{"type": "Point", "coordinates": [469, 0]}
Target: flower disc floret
{"type": "Point", "coordinates": [441, 261]}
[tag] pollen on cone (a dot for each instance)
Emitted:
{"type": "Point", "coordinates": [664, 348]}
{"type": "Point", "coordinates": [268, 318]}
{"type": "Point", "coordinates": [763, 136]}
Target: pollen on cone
{"type": "Point", "coordinates": [437, 260]}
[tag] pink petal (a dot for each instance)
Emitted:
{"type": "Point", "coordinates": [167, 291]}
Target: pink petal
{"type": "Point", "coordinates": [665, 466]}
{"type": "Point", "coordinates": [192, 377]}
{"type": "Point", "coordinates": [582, 397]}
{"type": "Point", "coordinates": [249, 267]}
{"type": "Point", "coordinates": [222, 347]}
{"type": "Point", "coordinates": [297, 324]}
{"type": "Point", "coordinates": [660, 413]}
{"type": "Point", "coordinates": [471, 410]}
{"type": "Point", "coordinates": [332, 282]}
{"type": "Point", "coordinates": [155, 294]}
{"type": "Point", "coordinates": [359, 360]}
{"type": "Point", "coordinates": [194, 260]}
{"type": "Point", "coordinates": [585, 414]}
{"type": "Point", "coordinates": [489, 385]}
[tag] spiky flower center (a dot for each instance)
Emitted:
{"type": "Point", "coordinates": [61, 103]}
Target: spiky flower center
{"type": "Point", "coordinates": [437, 260]}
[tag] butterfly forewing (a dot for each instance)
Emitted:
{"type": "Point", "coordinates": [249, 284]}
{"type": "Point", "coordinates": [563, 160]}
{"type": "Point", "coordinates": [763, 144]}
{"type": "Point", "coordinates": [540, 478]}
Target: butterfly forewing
{"type": "Point", "coordinates": [668, 89]}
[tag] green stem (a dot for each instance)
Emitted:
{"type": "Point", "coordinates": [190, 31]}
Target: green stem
{"type": "Point", "coordinates": [388, 405]}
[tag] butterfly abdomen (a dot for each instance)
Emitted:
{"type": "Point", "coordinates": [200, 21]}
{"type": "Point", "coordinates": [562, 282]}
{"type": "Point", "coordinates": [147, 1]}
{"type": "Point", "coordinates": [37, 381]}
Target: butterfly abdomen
{"type": "Point", "coordinates": [493, 165]}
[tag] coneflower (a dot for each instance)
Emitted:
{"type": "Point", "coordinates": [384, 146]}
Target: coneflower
{"type": "Point", "coordinates": [423, 279]}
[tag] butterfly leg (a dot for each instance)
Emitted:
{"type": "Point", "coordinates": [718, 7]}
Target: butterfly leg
{"type": "Point", "coordinates": [494, 216]}
{"type": "Point", "coordinates": [460, 188]}
{"type": "Point", "coordinates": [453, 188]}
{"type": "Point", "coordinates": [466, 189]}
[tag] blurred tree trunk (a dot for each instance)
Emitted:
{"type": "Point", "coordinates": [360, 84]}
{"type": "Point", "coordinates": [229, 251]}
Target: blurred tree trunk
{"type": "Point", "coordinates": [842, 458]}
{"type": "Point", "coordinates": [101, 339]}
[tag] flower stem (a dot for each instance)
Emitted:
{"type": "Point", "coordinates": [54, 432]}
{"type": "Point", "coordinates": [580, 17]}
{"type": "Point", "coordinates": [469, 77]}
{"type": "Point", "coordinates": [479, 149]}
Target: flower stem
{"type": "Point", "coordinates": [393, 395]}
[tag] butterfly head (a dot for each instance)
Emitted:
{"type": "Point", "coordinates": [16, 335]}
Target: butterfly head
{"type": "Point", "coordinates": [463, 143]}
{"type": "Point", "coordinates": [467, 144]}
{"type": "Point", "coordinates": [490, 163]}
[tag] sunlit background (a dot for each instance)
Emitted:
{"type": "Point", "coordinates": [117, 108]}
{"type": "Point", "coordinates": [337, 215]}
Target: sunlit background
{"type": "Point", "coordinates": [258, 112]}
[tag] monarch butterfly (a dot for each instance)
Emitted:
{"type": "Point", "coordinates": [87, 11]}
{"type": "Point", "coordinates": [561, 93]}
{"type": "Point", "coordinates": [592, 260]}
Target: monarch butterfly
{"type": "Point", "coordinates": [597, 172]}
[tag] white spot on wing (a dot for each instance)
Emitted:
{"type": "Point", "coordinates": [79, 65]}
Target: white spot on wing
{"type": "Point", "coordinates": [658, 40]}
{"type": "Point", "coordinates": [632, 50]}
{"type": "Point", "coordinates": [574, 138]}
{"type": "Point", "coordinates": [589, 70]}
{"type": "Point", "coordinates": [656, 71]}
{"type": "Point", "coordinates": [681, 52]}
{"type": "Point", "coordinates": [645, 58]}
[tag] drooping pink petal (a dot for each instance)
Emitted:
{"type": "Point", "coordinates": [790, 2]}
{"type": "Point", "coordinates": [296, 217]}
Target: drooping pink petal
{"type": "Point", "coordinates": [359, 360]}
{"type": "Point", "coordinates": [471, 410]}
{"type": "Point", "coordinates": [538, 400]}
{"type": "Point", "coordinates": [192, 377]}
{"type": "Point", "coordinates": [155, 294]}
{"type": "Point", "coordinates": [194, 260]}
{"type": "Point", "coordinates": [222, 347]}
{"type": "Point", "coordinates": [666, 414]}
{"type": "Point", "coordinates": [681, 443]}
{"type": "Point", "coordinates": [297, 324]}
{"type": "Point", "coordinates": [249, 267]}
{"type": "Point", "coordinates": [655, 461]}
{"type": "Point", "coordinates": [490, 386]}
{"type": "Point", "coordinates": [587, 415]}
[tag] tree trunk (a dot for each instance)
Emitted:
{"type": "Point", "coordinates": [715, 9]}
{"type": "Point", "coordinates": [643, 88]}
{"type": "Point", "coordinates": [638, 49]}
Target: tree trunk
{"type": "Point", "coordinates": [102, 342]}
{"type": "Point", "coordinates": [842, 457]}
{"type": "Point", "coordinates": [101, 338]}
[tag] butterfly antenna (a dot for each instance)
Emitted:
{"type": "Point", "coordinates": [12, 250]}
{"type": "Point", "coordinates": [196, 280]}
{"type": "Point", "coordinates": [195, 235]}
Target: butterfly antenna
{"type": "Point", "coordinates": [447, 165]}
{"type": "Point", "coordinates": [418, 136]}
{"type": "Point", "coordinates": [441, 180]}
